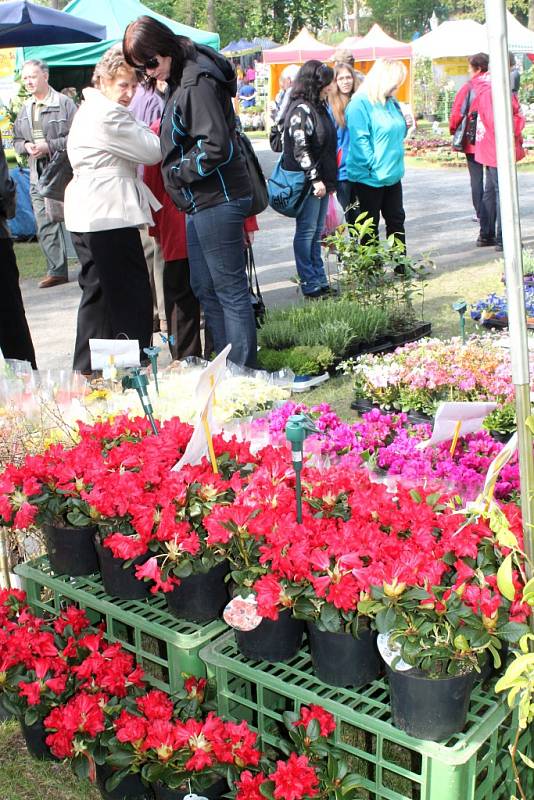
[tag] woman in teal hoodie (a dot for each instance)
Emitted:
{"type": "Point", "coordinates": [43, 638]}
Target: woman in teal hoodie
{"type": "Point", "coordinates": [375, 161]}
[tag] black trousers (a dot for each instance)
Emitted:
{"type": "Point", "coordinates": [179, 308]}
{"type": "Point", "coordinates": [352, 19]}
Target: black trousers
{"type": "Point", "coordinates": [116, 294]}
{"type": "Point", "coordinates": [385, 200]}
{"type": "Point", "coordinates": [15, 338]}
{"type": "Point", "coordinates": [476, 178]}
{"type": "Point", "coordinates": [182, 310]}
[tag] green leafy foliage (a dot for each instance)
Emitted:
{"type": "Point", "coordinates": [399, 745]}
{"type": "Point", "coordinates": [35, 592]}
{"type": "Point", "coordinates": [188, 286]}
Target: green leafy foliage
{"type": "Point", "coordinates": [339, 324]}
{"type": "Point", "coordinates": [301, 360]}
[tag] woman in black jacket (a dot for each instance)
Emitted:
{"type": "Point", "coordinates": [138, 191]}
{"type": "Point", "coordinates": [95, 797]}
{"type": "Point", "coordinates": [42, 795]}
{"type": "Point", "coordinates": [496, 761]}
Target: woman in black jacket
{"type": "Point", "coordinates": [310, 144]}
{"type": "Point", "coordinates": [204, 174]}
{"type": "Point", "coordinates": [15, 338]}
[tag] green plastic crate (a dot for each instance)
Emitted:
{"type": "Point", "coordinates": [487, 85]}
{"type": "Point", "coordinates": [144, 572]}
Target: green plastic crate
{"type": "Point", "coordinates": [473, 765]}
{"type": "Point", "coordinates": [164, 645]}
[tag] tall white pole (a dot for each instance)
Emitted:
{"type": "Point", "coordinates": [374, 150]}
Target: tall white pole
{"type": "Point", "coordinates": [513, 260]}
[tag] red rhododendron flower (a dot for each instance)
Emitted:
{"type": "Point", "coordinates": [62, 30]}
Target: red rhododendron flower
{"type": "Point", "coordinates": [326, 721]}
{"type": "Point", "coordinates": [31, 691]}
{"type": "Point", "coordinates": [294, 779]}
{"type": "Point", "coordinates": [155, 705]}
{"type": "Point", "coordinates": [151, 570]}
{"type": "Point", "coordinates": [248, 786]}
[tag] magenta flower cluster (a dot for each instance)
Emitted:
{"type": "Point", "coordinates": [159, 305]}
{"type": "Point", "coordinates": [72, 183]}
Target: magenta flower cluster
{"type": "Point", "coordinates": [387, 443]}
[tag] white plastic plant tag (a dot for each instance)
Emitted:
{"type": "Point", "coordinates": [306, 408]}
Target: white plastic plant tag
{"type": "Point", "coordinates": [448, 415]}
{"type": "Point", "coordinates": [241, 613]}
{"type": "Point", "coordinates": [391, 651]}
{"type": "Point", "coordinates": [195, 797]}
{"type": "Point", "coordinates": [125, 353]}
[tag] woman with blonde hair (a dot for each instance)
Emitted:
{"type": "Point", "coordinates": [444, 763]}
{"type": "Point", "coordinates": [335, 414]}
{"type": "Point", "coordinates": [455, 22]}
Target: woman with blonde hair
{"type": "Point", "coordinates": [375, 161]}
{"type": "Point", "coordinates": [344, 85]}
{"type": "Point", "coordinates": [106, 204]}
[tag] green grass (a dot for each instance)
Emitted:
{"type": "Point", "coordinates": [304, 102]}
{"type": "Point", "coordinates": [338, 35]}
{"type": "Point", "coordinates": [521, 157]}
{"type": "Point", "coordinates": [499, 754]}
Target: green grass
{"type": "Point", "coordinates": [23, 778]}
{"type": "Point", "coordinates": [31, 263]}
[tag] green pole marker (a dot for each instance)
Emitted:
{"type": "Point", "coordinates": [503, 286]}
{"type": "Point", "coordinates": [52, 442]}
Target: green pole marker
{"type": "Point", "coordinates": [139, 381]}
{"type": "Point", "coordinates": [298, 427]}
{"type": "Point", "coordinates": [153, 353]}
{"type": "Point", "coordinates": [461, 307]}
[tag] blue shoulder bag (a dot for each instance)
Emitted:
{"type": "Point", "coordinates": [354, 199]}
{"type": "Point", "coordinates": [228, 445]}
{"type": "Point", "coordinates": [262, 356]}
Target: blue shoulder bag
{"type": "Point", "coordinates": [287, 189]}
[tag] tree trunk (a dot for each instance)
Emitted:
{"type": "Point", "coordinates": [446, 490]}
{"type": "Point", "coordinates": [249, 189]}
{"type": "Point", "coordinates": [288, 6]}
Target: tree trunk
{"type": "Point", "coordinates": [212, 21]}
{"type": "Point", "coordinates": [356, 20]}
{"type": "Point", "coordinates": [531, 15]}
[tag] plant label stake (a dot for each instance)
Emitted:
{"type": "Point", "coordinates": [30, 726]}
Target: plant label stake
{"type": "Point", "coordinates": [139, 381]}
{"type": "Point", "coordinates": [153, 353]}
{"type": "Point", "coordinates": [461, 307]}
{"type": "Point", "coordinates": [455, 437]}
{"type": "Point", "coordinates": [298, 428]}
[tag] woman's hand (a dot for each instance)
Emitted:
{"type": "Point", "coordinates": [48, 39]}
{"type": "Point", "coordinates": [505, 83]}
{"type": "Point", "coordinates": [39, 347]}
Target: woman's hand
{"type": "Point", "coordinates": [319, 189]}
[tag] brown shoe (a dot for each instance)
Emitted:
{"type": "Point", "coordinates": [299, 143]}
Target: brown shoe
{"type": "Point", "coordinates": [51, 280]}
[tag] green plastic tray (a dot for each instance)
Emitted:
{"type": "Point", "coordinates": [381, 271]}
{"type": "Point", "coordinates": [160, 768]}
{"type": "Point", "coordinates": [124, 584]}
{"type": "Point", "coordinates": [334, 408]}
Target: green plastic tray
{"type": "Point", "coordinates": [165, 646]}
{"type": "Point", "coordinates": [473, 765]}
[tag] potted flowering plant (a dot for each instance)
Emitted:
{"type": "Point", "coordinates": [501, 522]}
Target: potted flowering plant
{"type": "Point", "coordinates": [170, 534]}
{"type": "Point", "coordinates": [78, 728]}
{"type": "Point", "coordinates": [442, 615]}
{"type": "Point", "coordinates": [46, 490]}
{"type": "Point", "coordinates": [53, 489]}
{"type": "Point", "coordinates": [177, 754]}
{"type": "Point", "coordinates": [311, 768]}
{"type": "Point", "coordinates": [38, 657]}
{"type": "Point", "coordinates": [417, 377]}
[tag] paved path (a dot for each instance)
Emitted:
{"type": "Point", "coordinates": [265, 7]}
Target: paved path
{"type": "Point", "coordinates": [438, 210]}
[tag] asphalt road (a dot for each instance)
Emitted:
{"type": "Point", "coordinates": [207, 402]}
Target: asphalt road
{"type": "Point", "coordinates": [438, 220]}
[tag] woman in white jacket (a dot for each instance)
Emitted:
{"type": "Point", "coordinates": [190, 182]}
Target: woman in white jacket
{"type": "Point", "coordinates": [105, 204]}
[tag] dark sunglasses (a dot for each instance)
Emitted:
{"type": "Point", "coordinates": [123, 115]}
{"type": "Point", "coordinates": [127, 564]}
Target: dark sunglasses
{"type": "Point", "coordinates": [150, 63]}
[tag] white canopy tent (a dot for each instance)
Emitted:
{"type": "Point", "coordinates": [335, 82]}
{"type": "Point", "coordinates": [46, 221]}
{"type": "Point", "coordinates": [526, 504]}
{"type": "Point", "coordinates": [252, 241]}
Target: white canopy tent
{"type": "Point", "coordinates": [520, 38]}
{"type": "Point", "coordinates": [452, 39]}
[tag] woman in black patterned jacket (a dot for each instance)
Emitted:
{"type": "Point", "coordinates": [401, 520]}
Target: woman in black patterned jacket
{"type": "Point", "coordinates": [310, 145]}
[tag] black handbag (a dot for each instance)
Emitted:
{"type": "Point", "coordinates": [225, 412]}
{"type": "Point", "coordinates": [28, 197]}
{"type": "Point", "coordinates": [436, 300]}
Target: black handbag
{"type": "Point", "coordinates": [260, 199]}
{"type": "Point", "coordinates": [276, 137]}
{"type": "Point", "coordinates": [459, 135]}
{"type": "Point", "coordinates": [254, 287]}
{"type": "Point", "coordinates": [55, 177]}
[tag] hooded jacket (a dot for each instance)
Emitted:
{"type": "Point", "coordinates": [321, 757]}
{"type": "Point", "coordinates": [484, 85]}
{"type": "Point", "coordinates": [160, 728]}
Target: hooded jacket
{"type": "Point", "coordinates": [202, 165]}
{"type": "Point", "coordinates": [485, 147]}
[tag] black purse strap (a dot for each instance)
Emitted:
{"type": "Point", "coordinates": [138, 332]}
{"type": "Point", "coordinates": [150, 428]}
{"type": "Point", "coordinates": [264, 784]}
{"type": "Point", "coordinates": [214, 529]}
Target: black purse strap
{"type": "Point", "coordinates": [252, 275]}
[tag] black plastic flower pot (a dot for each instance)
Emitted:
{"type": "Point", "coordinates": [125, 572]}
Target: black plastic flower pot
{"type": "Point", "coordinates": [429, 708]}
{"type": "Point", "coordinates": [339, 659]}
{"type": "Point", "coordinates": [272, 640]}
{"type": "Point", "coordinates": [118, 581]}
{"type": "Point", "coordinates": [213, 792]}
{"type": "Point", "coordinates": [71, 551]}
{"type": "Point", "coordinates": [130, 788]}
{"type": "Point", "coordinates": [201, 597]}
{"type": "Point", "coordinates": [34, 736]}
{"type": "Point", "coordinates": [362, 405]}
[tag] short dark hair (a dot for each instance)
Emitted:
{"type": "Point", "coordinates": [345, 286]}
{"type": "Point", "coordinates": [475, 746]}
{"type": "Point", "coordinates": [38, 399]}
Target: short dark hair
{"type": "Point", "coordinates": [311, 78]}
{"type": "Point", "coordinates": [480, 61]}
{"type": "Point", "coordinates": [146, 37]}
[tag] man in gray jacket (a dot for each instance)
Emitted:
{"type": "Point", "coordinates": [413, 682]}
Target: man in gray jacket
{"type": "Point", "coordinates": [40, 130]}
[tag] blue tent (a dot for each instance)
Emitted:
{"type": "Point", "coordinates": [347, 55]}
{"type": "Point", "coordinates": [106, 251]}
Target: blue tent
{"type": "Point", "coordinates": [115, 16]}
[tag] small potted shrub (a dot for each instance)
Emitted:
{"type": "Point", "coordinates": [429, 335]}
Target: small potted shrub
{"type": "Point", "coordinates": [311, 767]}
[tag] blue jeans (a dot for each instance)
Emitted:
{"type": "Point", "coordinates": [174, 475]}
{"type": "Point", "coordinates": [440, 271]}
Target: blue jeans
{"type": "Point", "coordinates": [218, 277]}
{"type": "Point", "coordinates": [307, 244]}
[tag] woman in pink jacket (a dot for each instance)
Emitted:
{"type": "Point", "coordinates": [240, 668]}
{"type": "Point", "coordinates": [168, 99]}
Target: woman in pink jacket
{"type": "Point", "coordinates": [478, 66]}
{"type": "Point", "coordinates": [486, 154]}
